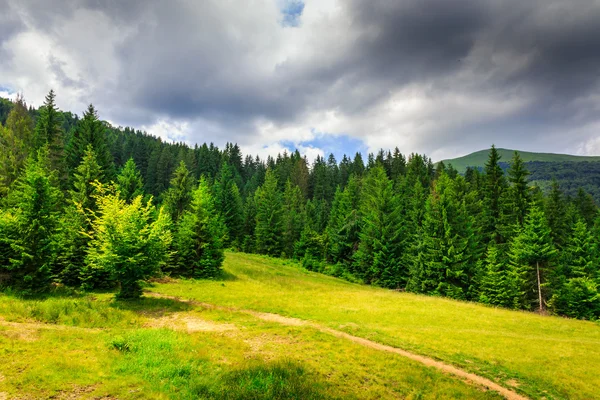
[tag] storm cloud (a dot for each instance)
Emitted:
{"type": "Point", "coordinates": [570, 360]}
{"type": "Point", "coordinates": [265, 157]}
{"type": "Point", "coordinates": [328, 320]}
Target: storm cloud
{"type": "Point", "coordinates": [443, 77]}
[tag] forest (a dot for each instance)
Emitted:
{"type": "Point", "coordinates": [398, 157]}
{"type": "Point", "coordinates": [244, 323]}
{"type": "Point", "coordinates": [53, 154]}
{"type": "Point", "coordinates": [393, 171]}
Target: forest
{"type": "Point", "coordinates": [91, 206]}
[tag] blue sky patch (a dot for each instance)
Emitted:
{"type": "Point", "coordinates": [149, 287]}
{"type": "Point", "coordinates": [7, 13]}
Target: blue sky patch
{"type": "Point", "coordinates": [336, 144]}
{"type": "Point", "coordinates": [291, 11]}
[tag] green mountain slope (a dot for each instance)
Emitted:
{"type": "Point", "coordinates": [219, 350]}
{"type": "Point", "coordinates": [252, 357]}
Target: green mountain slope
{"type": "Point", "coordinates": [478, 158]}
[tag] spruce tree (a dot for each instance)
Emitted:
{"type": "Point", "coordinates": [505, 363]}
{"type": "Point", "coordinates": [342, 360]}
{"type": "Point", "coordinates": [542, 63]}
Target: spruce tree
{"type": "Point", "coordinates": [445, 265]}
{"type": "Point", "coordinates": [293, 217]}
{"type": "Point", "coordinates": [229, 203]}
{"type": "Point", "coordinates": [269, 224]}
{"type": "Point", "coordinates": [494, 193]}
{"type": "Point", "coordinates": [16, 144]}
{"type": "Point", "coordinates": [518, 192]}
{"type": "Point", "coordinates": [344, 223]}
{"type": "Point", "coordinates": [200, 235]}
{"type": "Point", "coordinates": [35, 204]}
{"type": "Point", "coordinates": [179, 195]}
{"type": "Point", "coordinates": [90, 131]}
{"type": "Point", "coordinates": [380, 256]}
{"type": "Point", "coordinates": [556, 215]}
{"type": "Point", "coordinates": [76, 224]}
{"type": "Point", "coordinates": [129, 182]}
{"type": "Point", "coordinates": [49, 132]}
{"type": "Point", "coordinates": [501, 284]}
{"type": "Point", "coordinates": [532, 253]}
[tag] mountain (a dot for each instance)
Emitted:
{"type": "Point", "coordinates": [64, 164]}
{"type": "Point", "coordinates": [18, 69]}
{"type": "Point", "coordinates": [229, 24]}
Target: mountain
{"type": "Point", "coordinates": [571, 172]}
{"type": "Point", "coordinates": [478, 158]}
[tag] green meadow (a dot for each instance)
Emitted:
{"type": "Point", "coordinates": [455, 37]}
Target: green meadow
{"type": "Point", "coordinates": [91, 346]}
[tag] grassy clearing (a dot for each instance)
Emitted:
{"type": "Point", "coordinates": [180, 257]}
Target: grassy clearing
{"type": "Point", "coordinates": [92, 347]}
{"type": "Point", "coordinates": [541, 356]}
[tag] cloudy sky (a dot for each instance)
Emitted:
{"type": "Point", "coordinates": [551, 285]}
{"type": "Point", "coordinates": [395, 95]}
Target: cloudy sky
{"type": "Point", "coordinates": [443, 77]}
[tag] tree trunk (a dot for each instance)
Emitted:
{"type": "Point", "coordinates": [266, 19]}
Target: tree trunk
{"type": "Point", "coordinates": [539, 284]}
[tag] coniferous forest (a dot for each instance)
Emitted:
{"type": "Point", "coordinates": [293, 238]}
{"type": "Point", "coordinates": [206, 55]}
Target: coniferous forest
{"type": "Point", "coordinates": [90, 206]}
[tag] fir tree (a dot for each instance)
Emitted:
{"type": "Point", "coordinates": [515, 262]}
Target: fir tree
{"type": "Point", "coordinates": [49, 132]}
{"type": "Point", "coordinates": [500, 285]}
{"type": "Point", "coordinates": [179, 195]}
{"type": "Point", "coordinates": [493, 189]}
{"type": "Point", "coordinates": [519, 191]}
{"type": "Point", "coordinates": [200, 235]}
{"type": "Point", "coordinates": [269, 224]}
{"type": "Point", "coordinates": [35, 201]}
{"type": "Point", "coordinates": [344, 223]}
{"type": "Point", "coordinates": [129, 182]}
{"type": "Point", "coordinates": [379, 258]}
{"type": "Point", "coordinates": [90, 131]}
{"type": "Point", "coordinates": [532, 252]}
{"type": "Point", "coordinates": [556, 215]}
{"type": "Point", "coordinates": [229, 202]}
{"type": "Point", "coordinates": [444, 265]}
{"type": "Point", "coordinates": [292, 217]}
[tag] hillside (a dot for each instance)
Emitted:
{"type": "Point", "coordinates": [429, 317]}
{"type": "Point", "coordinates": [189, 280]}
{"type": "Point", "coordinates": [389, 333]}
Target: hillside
{"type": "Point", "coordinates": [225, 345]}
{"type": "Point", "coordinates": [478, 158]}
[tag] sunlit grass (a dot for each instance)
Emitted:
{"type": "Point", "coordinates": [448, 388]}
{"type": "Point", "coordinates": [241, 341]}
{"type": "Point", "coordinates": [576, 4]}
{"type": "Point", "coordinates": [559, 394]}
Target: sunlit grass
{"type": "Point", "coordinates": [91, 346]}
{"type": "Point", "coordinates": [544, 356]}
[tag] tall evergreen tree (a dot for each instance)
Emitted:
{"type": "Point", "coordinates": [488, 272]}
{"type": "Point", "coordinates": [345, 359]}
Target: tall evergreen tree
{"type": "Point", "coordinates": [344, 223]}
{"type": "Point", "coordinates": [501, 283]}
{"type": "Point", "coordinates": [532, 253]}
{"type": "Point", "coordinates": [179, 195]}
{"type": "Point", "coordinates": [518, 192]}
{"type": "Point", "coordinates": [35, 201]}
{"type": "Point", "coordinates": [292, 217]}
{"type": "Point", "coordinates": [494, 193]}
{"type": "Point", "coordinates": [48, 131]}
{"type": "Point", "coordinates": [556, 215]}
{"type": "Point", "coordinates": [129, 182]}
{"type": "Point", "coordinates": [90, 131]}
{"type": "Point", "coordinates": [269, 226]}
{"type": "Point", "coordinates": [445, 265]}
{"type": "Point", "coordinates": [380, 256]}
{"type": "Point", "coordinates": [200, 235]}
{"type": "Point", "coordinates": [229, 202]}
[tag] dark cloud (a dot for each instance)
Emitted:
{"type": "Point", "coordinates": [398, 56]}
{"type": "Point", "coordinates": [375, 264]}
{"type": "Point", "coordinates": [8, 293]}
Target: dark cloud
{"type": "Point", "coordinates": [227, 65]}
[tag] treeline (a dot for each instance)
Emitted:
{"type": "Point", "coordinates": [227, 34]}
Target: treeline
{"type": "Point", "coordinates": [394, 221]}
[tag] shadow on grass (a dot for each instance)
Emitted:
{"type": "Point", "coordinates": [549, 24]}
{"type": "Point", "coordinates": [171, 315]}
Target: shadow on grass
{"type": "Point", "coordinates": [151, 306]}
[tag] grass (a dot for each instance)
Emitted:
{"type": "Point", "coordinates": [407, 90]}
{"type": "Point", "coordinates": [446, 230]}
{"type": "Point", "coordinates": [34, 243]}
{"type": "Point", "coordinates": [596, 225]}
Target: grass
{"type": "Point", "coordinates": [90, 346]}
{"type": "Point", "coordinates": [542, 356]}
{"type": "Point", "coordinates": [479, 158]}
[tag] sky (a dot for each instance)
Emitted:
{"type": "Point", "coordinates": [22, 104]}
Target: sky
{"type": "Point", "coordinates": [440, 77]}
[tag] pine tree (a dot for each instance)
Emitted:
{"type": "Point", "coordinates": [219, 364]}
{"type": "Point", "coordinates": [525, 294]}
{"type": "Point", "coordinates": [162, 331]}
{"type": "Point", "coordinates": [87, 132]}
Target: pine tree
{"type": "Point", "coordinates": [34, 202]}
{"type": "Point", "coordinates": [86, 175]}
{"type": "Point", "coordinates": [500, 285]}
{"type": "Point", "coordinates": [48, 131]}
{"type": "Point", "coordinates": [90, 131]}
{"type": "Point", "coordinates": [586, 207]}
{"type": "Point", "coordinates": [229, 203]}
{"type": "Point", "coordinates": [494, 194]}
{"type": "Point", "coordinates": [179, 195]}
{"type": "Point", "coordinates": [16, 144]}
{"type": "Point", "coordinates": [444, 265]}
{"type": "Point", "coordinates": [129, 182]}
{"type": "Point", "coordinates": [128, 244]}
{"type": "Point", "coordinates": [379, 258]}
{"type": "Point", "coordinates": [200, 235]}
{"type": "Point", "coordinates": [269, 226]}
{"type": "Point", "coordinates": [556, 215]}
{"type": "Point", "coordinates": [518, 192]}
{"type": "Point", "coordinates": [293, 217]}
{"type": "Point", "coordinates": [532, 252]}
{"type": "Point", "coordinates": [344, 223]}
{"type": "Point", "coordinates": [580, 256]}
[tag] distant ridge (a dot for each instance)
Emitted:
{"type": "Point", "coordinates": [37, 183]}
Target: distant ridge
{"type": "Point", "coordinates": [479, 158]}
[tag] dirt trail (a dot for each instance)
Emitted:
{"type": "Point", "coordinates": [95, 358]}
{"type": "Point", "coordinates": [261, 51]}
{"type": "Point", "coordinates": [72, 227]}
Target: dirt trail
{"type": "Point", "coordinates": [430, 362]}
